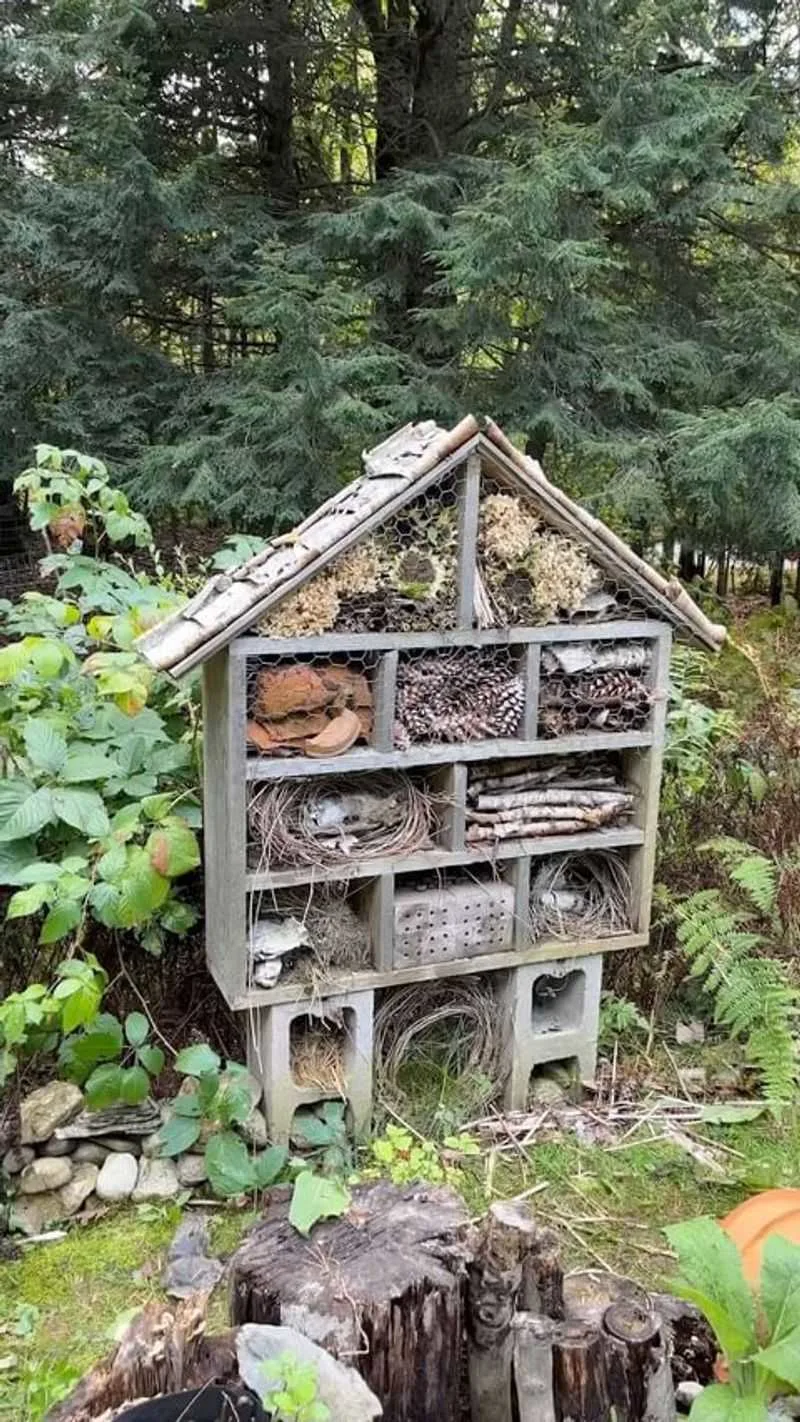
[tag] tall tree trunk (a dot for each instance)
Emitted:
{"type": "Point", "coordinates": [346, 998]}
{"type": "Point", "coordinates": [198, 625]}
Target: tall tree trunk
{"type": "Point", "coordinates": [445, 33]}
{"type": "Point", "coordinates": [776, 580]}
{"type": "Point", "coordinates": [274, 106]}
{"type": "Point", "coordinates": [687, 564]}
{"type": "Point", "coordinates": [723, 563]}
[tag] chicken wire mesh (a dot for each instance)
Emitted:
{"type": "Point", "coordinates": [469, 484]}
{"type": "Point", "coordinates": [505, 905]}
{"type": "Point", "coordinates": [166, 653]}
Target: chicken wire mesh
{"type": "Point", "coordinates": [315, 706]}
{"type": "Point", "coordinates": [530, 574]}
{"type": "Point", "coordinates": [531, 799]}
{"type": "Point", "coordinates": [589, 686]}
{"type": "Point", "coordinates": [463, 694]}
{"type": "Point", "coordinates": [400, 578]}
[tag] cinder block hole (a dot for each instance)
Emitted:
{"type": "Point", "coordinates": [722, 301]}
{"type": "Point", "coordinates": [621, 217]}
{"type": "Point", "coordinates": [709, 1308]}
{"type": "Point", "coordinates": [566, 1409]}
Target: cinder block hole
{"type": "Point", "coordinates": [318, 1050]}
{"type": "Point", "coordinates": [555, 1081]}
{"type": "Point", "coordinates": [558, 1001]}
{"type": "Point", "coordinates": [304, 1132]}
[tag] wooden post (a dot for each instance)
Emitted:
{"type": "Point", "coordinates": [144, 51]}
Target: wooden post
{"type": "Point", "coordinates": [638, 1375]}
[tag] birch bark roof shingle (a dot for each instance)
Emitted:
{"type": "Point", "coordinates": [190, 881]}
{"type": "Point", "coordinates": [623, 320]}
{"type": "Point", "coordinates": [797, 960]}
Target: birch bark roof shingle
{"type": "Point", "coordinates": [395, 471]}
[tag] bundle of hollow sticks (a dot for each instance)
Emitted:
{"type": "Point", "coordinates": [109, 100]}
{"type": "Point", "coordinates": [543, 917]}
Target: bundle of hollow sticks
{"type": "Point", "coordinates": [522, 799]}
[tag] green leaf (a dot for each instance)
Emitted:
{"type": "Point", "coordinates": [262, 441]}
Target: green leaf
{"type": "Point", "coordinates": [141, 891]}
{"type": "Point", "coordinates": [104, 899]}
{"type": "Point", "coordinates": [80, 1007]}
{"type": "Point", "coordinates": [104, 1087]}
{"type": "Point", "coordinates": [15, 859]}
{"type": "Point", "coordinates": [152, 1059]}
{"type": "Point", "coordinates": [188, 1104]}
{"type": "Point", "coordinates": [90, 765]}
{"type": "Point", "coordinates": [60, 921]}
{"type": "Point", "coordinates": [101, 1042]}
{"type": "Point", "coordinates": [732, 1113]}
{"type": "Point", "coordinates": [26, 901]}
{"type": "Point", "coordinates": [135, 1085]}
{"type": "Point", "coordinates": [310, 1130]}
{"type": "Point", "coordinates": [46, 748]}
{"type": "Point", "coordinates": [230, 1169]}
{"type": "Point", "coordinates": [780, 1287]}
{"type": "Point", "coordinates": [33, 814]}
{"type": "Point", "coordinates": [111, 865]}
{"type": "Point", "coordinates": [719, 1403]}
{"type": "Point", "coordinates": [197, 1060]}
{"type": "Point", "coordinates": [712, 1278]}
{"type": "Point", "coordinates": [268, 1165]}
{"type": "Point", "coordinates": [83, 809]}
{"type": "Point", "coordinates": [178, 917]}
{"type": "Point", "coordinates": [136, 1028]}
{"type": "Point", "coordinates": [782, 1359]}
{"type": "Point", "coordinates": [173, 848]}
{"type": "Point", "coordinates": [316, 1197]}
{"type": "Point", "coordinates": [40, 872]}
{"type": "Point", "coordinates": [177, 1135]}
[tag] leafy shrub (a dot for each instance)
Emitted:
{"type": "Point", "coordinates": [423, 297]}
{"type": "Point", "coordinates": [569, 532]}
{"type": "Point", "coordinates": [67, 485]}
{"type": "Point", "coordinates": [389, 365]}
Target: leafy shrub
{"type": "Point", "coordinates": [98, 809]}
{"type": "Point", "coordinates": [759, 1336]}
{"type": "Point", "coordinates": [36, 1018]}
{"type": "Point", "coordinates": [620, 1020]}
{"type": "Point", "coordinates": [111, 1060]}
{"type": "Point", "coordinates": [292, 1392]}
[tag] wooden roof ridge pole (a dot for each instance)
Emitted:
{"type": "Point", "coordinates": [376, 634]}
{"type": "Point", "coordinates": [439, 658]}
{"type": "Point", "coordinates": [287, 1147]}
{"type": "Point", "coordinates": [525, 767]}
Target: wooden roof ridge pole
{"type": "Point", "coordinates": [713, 634]}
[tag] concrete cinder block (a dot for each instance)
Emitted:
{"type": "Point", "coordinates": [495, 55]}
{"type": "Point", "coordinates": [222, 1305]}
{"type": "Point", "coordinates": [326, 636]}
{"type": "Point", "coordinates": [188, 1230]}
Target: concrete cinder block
{"type": "Point", "coordinates": [550, 1012]}
{"type": "Point", "coordinates": [269, 1059]}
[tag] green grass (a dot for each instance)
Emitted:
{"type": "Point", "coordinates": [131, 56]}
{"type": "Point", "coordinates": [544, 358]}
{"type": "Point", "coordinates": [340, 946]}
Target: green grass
{"type": "Point", "coordinates": [608, 1206]}
{"type": "Point", "coordinates": [61, 1303]}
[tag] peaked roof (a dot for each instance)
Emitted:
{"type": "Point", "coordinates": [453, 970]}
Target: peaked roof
{"type": "Point", "coordinates": [394, 472]}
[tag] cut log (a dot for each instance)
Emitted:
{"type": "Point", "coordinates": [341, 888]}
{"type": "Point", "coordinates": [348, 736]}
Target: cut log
{"type": "Point", "coordinates": [638, 1374]}
{"type": "Point", "coordinates": [495, 1290]}
{"type": "Point", "coordinates": [382, 1289]}
{"type": "Point", "coordinates": [162, 1351]}
{"type": "Point", "coordinates": [579, 1375]}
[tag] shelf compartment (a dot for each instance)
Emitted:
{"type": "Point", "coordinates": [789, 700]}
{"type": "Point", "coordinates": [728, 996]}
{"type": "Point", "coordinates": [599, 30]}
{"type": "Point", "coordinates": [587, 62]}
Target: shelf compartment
{"type": "Point", "coordinates": [532, 798]}
{"type": "Point", "coordinates": [310, 707]}
{"type": "Point", "coordinates": [308, 936]}
{"type": "Point", "coordinates": [328, 824]}
{"type": "Point", "coordinates": [458, 695]}
{"type": "Point", "coordinates": [586, 687]}
{"type": "Point", "coordinates": [582, 894]}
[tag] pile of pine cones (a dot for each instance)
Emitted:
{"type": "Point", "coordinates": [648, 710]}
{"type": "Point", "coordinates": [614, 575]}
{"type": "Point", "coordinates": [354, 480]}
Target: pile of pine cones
{"type": "Point", "coordinates": [457, 696]}
{"type": "Point", "coordinates": [615, 700]}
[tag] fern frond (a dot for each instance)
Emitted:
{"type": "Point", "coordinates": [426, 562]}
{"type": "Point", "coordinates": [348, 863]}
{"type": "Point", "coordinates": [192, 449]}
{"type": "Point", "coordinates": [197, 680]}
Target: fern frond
{"type": "Point", "coordinates": [753, 872]}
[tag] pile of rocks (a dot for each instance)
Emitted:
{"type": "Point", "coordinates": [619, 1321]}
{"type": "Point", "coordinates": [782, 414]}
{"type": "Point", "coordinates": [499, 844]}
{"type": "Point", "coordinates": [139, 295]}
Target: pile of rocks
{"type": "Point", "coordinates": [70, 1159]}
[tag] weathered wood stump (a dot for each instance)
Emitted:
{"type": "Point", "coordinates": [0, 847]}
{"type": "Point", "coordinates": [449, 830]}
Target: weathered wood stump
{"type": "Point", "coordinates": [382, 1289]}
{"type": "Point", "coordinates": [548, 1349]}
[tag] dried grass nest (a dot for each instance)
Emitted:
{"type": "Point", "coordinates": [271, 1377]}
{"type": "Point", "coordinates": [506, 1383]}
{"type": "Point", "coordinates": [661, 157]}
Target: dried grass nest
{"type": "Point", "coordinates": [580, 892]}
{"type": "Point", "coordinates": [313, 824]}
{"type": "Point", "coordinates": [409, 1013]}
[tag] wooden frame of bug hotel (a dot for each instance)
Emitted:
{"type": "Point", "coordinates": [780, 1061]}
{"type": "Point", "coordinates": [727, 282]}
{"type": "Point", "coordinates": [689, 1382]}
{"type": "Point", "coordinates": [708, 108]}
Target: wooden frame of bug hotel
{"type": "Point", "coordinates": [433, 727]}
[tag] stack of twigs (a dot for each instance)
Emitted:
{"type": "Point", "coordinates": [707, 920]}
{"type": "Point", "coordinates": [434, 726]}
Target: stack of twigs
{"type": "Point", "coordinates": [469, 1008]}
{"type": "Point", "coordinates": [524, 800]}
{"type": "Point", "coordinates": [317, 824]}
{"type": "Point", "coordinates": [580, 895]}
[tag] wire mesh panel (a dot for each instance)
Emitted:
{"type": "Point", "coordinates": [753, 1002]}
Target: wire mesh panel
{"type": "Point", "coordinates": [318, 824]}
{"type": "Point", "coordinates": [400, 578]}
{"type": "Point", "coordinates": [581, 894]}
{"type": "Point", "coordinates": [464, 694]}
{"type": "Point", "coordinates": [316, 706]}
{"type": "Point", "coordinates": [587, 686]}
{"type": "Point", "coordinates": [529, 573]}
{"type": "Point", "coordinates": [529, 799]}
{"type": "Point", "coordinates": [450, 917]}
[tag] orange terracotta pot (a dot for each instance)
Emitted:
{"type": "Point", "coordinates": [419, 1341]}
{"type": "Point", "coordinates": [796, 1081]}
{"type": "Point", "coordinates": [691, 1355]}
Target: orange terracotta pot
{"type": "Point", "coordinates": [752, 1222]}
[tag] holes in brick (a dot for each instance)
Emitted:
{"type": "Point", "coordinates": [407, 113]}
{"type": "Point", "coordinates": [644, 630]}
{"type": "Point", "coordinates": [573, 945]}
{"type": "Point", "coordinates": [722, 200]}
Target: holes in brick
{"type": "Point", "coordinates": [557, 1002]}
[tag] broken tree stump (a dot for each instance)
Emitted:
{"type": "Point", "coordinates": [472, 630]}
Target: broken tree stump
{"type": "Point", "coordinates": [382, 1289]}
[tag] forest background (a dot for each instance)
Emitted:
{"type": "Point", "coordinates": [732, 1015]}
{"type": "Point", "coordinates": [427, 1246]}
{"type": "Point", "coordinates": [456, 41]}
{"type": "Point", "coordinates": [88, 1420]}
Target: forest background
{"type": "Point", "coordinates": [241, 239]}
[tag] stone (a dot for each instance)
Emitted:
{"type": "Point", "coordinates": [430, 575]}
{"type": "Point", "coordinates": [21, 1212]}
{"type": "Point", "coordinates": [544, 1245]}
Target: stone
{"type": "Point", "coordinates": [113, 1121]}
{"type": "Point", "coordinates": [80, 1187]}
{"type": "Point", "coordinates": [689, 1034]}
{"type": "Point", "coordinates": [693, 1080]}
{"type": "Point", "coordinates": [91, 1153]}
{"type": "Point", "coordinates": [340, 1387]}
{"type": "Point", "coordinates": [46, 1109]}
{"type": "Point", "coordinates": [192, 1169]}
{"type": "Point", "coordinates": [55, 1147]}
{"type": "Point", "coordinates": [254, 1129]}
{"type": "Point", "coordinates": [685, 1394]}
{"type": "Point", "coordinates": [117, 1177]}
{"type": "Point", "coordinates": [46, 1173]}
{"type": "Point", "coordinates": [17, 1158]}
{"type": "Point", "coordinates": [121, 1145]}
{"type": "Point", "coordinates": [34, 1213]}
{"type": "Point", "coordinates": [151, 1144]}
{"type": "Point", "coordinates": [189, 1269]}
{"type": "Point", "coordinates": [157, 1180]}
